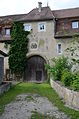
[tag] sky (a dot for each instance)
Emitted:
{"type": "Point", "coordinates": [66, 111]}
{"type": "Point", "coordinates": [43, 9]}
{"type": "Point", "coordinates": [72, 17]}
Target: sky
{"type": "Point", "coordinates": [9, 7]}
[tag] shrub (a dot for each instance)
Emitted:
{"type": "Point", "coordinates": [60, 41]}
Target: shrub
{"type": "Point", "coordinates": [67, 78]}
{"type": "Point", "coordinates": [18, 49]}
{"type": "Point", "coordinates": [75, 82]}
{"type": "Point", "coordinates": [75, 85]}
{"type": "Point", "coordinates": [58, 66]}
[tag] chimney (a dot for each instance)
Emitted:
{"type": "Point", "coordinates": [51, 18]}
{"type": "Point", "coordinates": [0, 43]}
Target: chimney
{"type": "Point", "coordinates": [39, 6]}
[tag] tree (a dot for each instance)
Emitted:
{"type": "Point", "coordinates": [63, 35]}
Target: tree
{"type": "Point", "coordinates": [73, 49]}
{"type": "Point", "coordinates": [18, 49]}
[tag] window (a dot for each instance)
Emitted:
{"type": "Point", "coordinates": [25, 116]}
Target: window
{"type": "Point", "coordinates": [74, 25]}
{"type": "Point", "coordinates": [0, 30]}
{"type": "Point", "coordinates": [42, 26]}
{"type": "Point", "coordinates": [7, 31]}
{"type": "Point", "coordinates": [59, 48]}
{"type": "Point", "coordinates": [27, 27]}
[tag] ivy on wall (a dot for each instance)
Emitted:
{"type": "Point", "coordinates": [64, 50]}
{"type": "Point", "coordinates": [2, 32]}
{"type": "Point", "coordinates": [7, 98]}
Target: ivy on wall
{"type": "Point", "coordinates": [18, 49]}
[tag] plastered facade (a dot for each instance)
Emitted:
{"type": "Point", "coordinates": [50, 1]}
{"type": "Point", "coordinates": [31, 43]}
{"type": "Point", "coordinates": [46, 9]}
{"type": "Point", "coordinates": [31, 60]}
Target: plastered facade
{"type": "Point", "coordinates": [45, 41]}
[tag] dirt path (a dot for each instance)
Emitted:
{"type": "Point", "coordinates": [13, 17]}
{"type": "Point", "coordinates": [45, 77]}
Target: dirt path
{"type": "Point", "coordinates": [26, 104]}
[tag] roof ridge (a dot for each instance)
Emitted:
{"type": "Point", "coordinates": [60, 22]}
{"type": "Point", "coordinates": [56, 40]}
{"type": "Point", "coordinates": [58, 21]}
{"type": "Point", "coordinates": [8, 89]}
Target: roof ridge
{"type": "Point", "coordinates": [66, 9]}
{"type": "Point", "coordinates": [21, 14]}
{"type": "Point", "coordinates": [46, 13]}
{"type": "Point", "coordinates": [66, 13]}
{"type": "Point", "coordinates": [12, 15]}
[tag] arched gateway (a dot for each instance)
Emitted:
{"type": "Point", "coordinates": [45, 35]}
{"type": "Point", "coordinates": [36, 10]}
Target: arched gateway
{"type": "Point", "coordinates": [35, 70]}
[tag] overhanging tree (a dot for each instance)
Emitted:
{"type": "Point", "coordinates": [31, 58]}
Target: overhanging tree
{"type": "Point", "coordinates": [18, 49]}
{"type": "Point", "coordinates": [73, 49]}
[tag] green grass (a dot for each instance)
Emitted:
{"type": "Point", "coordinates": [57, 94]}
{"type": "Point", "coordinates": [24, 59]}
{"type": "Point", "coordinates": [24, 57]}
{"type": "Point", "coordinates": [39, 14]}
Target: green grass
{"type": "Point", "coordinates": [37, 115]}
{"type": "Point", "coordinates": [29, 98]}
{"type": "Point", "coordinates": [41, 89]}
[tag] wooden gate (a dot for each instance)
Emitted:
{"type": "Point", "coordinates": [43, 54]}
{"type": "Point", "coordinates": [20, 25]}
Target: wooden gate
{"type": "Point", "coordinates": [35, 70]}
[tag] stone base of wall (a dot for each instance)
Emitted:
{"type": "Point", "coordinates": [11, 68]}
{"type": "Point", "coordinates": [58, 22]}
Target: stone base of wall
{"type": "Point", "coordinates": [5, 87]}
{"type": "Point", "coordinates": [70, 97]}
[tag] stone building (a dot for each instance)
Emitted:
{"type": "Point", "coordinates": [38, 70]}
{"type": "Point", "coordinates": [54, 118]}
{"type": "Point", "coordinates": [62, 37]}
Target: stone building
{"type": "Point", "coordinates": [2, 55]}
{"type": "Point", "coordinates": [51, 33]}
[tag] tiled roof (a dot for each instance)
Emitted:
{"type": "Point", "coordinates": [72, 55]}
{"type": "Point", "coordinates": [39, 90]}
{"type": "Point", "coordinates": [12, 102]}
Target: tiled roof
{"type": "Point", "coordinates": [33, 15]}
{"type": "Point", "coordinates": [66, 13]}
{"type": "Point", "coordinates": [45, 14]}
{"type": "Point", "coordinates": [11, 17]}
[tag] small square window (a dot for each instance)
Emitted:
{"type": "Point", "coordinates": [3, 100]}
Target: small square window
{"type": "Point", "coordinates": [41, 26]}
{"type": "Point", "coordinates": [59, 49]}
{"type": "Point", "coordinates": [27, 27]}
{"type": "Point", "coordinates": [74, 25]}
{"type": "Point", "coordinates": [7, 31]}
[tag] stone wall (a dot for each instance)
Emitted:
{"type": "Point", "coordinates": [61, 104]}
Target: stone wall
{"type": "Point", "coordinates": [70, 97]}
{"type": "Point", "coordinates": [1, 69]}
{"type": "Point", "coordinates": [5, 50]}
{"type": "Point", "coordinates": [5, 87]}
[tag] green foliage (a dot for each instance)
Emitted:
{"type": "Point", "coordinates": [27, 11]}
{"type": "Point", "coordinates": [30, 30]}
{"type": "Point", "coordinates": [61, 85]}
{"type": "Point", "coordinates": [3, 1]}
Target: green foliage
{"type": "Point", "coordinates": [37, 115]}
{"type": "Point", "coordinates": [18, 49]}
{"type": "Point", "coordinates": [75, 85]}
{"type": "Point", "coordinates": [6, 45]}
{"type": "Point", "coordinates": [59, 65]}
{"type": "Point", "coordinates": [73, 49]}
{"type": "Point", "coordinates": [61, 71]}
{"type": "Point", "coordinates": [75, 82]}
{"type": "Point", "coordinates": [66, 77]}
{"type": "Point", "coordinates": [70, 79]}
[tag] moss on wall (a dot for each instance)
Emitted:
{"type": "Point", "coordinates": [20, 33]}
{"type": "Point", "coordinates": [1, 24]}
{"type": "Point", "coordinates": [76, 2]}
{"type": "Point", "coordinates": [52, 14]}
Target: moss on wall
{"type": "Point", "coordinates": [41, 43]}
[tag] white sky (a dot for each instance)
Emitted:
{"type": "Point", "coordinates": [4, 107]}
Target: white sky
{"type": "Point", "coordinates": [8, 7]}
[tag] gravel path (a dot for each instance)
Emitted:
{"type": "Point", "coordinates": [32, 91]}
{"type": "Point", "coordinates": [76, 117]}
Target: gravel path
{"type": "Point", "coordinates": [26, 104]}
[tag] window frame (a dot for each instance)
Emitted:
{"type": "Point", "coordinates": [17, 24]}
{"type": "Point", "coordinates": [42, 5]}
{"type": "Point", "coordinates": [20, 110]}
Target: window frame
{"type": "Point", "coordinates": [42, 23]}
{"type": "Point", "coordinates": [29, 25]}
{"type": "Point", "coordinates": [75, 25]}
{"type": "Point", "coordinates": [6, 33]}
{"type": "Point", "coordinates": [59, 51]}
{"type": "Point", "coordinates": [0, 31]}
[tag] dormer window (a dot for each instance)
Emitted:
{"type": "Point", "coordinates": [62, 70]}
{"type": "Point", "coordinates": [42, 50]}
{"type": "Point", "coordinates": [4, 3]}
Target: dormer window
{"type": "Point", "coordinates": [27, 27]}
{"type": "Point", "coordinates": [7, 31]}
{"type": "Point", "coordinates": [75, 25]}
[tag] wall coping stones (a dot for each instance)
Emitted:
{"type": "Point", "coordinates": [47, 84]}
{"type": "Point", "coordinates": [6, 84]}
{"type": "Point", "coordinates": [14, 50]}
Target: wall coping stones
{"type": "Point", "coordinates": [70, 97]}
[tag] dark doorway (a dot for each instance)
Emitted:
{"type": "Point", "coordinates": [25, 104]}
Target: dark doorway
{"type": "Point", "coordinates": [35, 70]}
{"type": "Point", "coordinates": [38, 75]}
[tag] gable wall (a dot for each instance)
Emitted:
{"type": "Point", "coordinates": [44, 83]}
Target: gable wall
{"type": "Point", "coordinates": [47, 44]}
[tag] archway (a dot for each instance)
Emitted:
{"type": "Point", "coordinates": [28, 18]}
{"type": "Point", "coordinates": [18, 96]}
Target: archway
{"type": "Point", "coordinates": [35, 70]}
